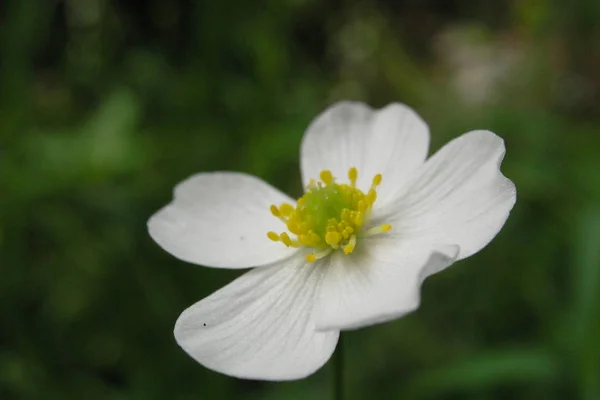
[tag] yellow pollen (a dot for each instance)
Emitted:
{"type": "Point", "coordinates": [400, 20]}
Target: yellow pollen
{"type": "Point", "coordinates": [326, 177]}
{"type": "Point", "coordinates": [377, 230]}
{"type": "Point", "coordinates": [275, 211]}
{"type": "Point", "coordinates": [330, 216]}
{"type": "Point", "coordinates": [333, 238]}
{"type": "Point", "coordinates": [286, 209]}
{"type": "Point", "coordinates": [349, 248]}
{"type": "Point", "coordinates": [317, 256]}
{"type": "Point", "coordinates": [377, 180]}
{"type": "Point", "coordinates": [352, 176]}
{"type": "Point", "coordinates": [286, 239]}
{"type": "Point", "coordinates": [273, 236]}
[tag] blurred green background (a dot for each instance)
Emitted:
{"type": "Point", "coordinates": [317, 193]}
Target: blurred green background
{"type": "Point", "coordinates": [106, 105]}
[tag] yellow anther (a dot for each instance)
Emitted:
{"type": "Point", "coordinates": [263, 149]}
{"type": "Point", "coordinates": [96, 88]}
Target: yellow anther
{"type": "Point", "coordinates": [358, 220]}
{"type": "Point", "coordinates": [345, 214]}
{"type": "Point", "coordinates": [352, 176]}
{"type": "Point", "coordinates": [273, 236]}
{"type": "Point", "coordinates": [286, 209]}
{"type": "Point", "coordinates": [317, 256]}
{"type": "Point", "coordinates": [310, 239]}
{"type": "Point", "coordinates": [293, 227]}
{"type": "Point", "coordinates": [333, 239]}
{"type": "Point", "coordinates": [313, 238]}
{"type": "Point", "coordinates": [377, 180]}
{"type": "Point", "coordinates": [286, 239]}
{"type": "Point", "coordinates": [326, 177]}
{"type": "Point", "coordinates": [303, 239]}
{"type": "Point", "coordinates": [349, 248]}
{"type": "Point", "coordinates": [377, 230]}
{"type": "Point", "coordinates": [275, 211]}
{"type": "Point", "coordinates": [362, 206]}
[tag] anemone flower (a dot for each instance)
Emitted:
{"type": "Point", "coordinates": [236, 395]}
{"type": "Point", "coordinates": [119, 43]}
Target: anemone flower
{"type": "Point", "coordinates": [376, 218]}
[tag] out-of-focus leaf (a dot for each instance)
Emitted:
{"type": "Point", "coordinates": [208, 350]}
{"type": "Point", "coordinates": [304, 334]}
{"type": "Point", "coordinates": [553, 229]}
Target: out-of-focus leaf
{"type": "Point", "coordinates": [487, 370]}
{"type": "Point", "coordinates": [584, 323]}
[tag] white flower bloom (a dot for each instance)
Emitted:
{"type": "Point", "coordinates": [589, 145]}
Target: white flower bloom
{"type": "Point", "coordinates": [345, 255]}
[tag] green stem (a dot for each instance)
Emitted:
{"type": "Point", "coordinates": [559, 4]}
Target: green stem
{"type": "Point", "coordinates": [338, 371]}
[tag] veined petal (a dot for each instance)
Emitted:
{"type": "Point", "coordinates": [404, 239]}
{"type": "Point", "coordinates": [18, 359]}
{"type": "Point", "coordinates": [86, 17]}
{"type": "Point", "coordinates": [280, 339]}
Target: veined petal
{"type": "Point", "coordinates": [458, 197]}
{"type": "Point", "coordinates": [260, 326]}
{"type": "Point", "coordinates": [379, 282]}
{"type": "Point", "coordinates": [392, 141]}
{"type": "Point", "coordinates": [221, 219]}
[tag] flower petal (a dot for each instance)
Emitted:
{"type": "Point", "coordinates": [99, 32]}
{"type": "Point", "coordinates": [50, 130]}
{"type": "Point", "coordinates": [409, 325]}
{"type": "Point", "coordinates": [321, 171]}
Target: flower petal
{"type": "Point", "coordinates": [458, 197]}
{"type": "Point", "coordinates": [379, 282]}
{"type": "Point", "coordinates": [260, 325]}
{"type": "Point", "coordinates": [221, 219]}
{"type": "Point", "coordinates": [392, 141]}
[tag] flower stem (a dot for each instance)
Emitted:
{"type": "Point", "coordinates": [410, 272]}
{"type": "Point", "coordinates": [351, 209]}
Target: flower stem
{"type": "Point", "coordinates": [338, 370]}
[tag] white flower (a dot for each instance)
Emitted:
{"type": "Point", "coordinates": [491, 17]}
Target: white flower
{"type": "Point", "coordinates": [329, 269]}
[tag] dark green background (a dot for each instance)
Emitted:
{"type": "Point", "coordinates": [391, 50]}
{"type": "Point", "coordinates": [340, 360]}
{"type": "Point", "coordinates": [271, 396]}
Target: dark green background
{"type": "Point", "coordinates": [106, 105]}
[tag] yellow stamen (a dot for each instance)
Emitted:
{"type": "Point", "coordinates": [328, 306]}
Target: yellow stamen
{"type": "Point", "coordinates": [317, 256]}
{"type": "Point", "coordinates": [377, 230]}
{"type": "Point", "coordinates": [349, 248]}
{"type": "Point", "coordinates": [333, 239]}
{"type": "Point", "coordinates": [358, 219]}
{"type": "Point", "coordinates": [285, 239]}
{"type": "Point", "coordinates": [352, 176]}
{"type": "Point", "coordinates": [362, 206]}
{"type": "Point", "coordinates": [286, 209]}
{"type": "Point", "coordinates": [314, 237]}
{"type": "Point", "coordinates": [275, 211]}
{"type": "Point", "coordinates": [376, 181]}
{"type": "Point", "coordinates": [326, 177]}
{"type": "Point", "coordinates": [371, 197]}
{"type": "Point", "coordinates": [329, 216]}
{"type": "Point", "coordinates": [273, 236]}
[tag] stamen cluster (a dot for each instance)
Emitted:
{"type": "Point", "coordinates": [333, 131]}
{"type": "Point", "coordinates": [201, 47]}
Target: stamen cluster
{"type": "Point", "coordinates": [329, 216]}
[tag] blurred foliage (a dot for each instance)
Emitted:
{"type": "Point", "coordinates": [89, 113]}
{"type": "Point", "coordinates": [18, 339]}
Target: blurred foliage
{"type": "Point", "coordinates": [106, 105]}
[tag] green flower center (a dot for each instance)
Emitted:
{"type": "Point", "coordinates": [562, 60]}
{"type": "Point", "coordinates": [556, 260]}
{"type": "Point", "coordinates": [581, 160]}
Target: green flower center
{"type": "Point", "coordinates": [329, 216]}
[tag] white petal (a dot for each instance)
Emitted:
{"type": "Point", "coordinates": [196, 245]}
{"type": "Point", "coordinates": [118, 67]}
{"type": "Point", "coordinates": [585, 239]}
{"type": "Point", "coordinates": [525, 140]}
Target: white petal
{"type": "Point", "coordinates": [378, 282]}
{"type": "Point", "coordinates": [221, 219]}
{"type": "Point", "coordinates": [260, 325]}
{"type": "Point", "coordinates": [392, 141]}
{"type": "Point", "coordinates": [458, 197]}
